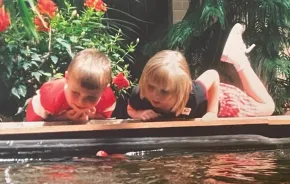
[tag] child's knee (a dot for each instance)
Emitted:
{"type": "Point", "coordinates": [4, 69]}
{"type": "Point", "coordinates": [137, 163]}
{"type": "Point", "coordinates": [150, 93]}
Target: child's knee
{"type": "Point", "coordinates": [271, 107]}
{"type": "Point", "coordinates": [268, 108]}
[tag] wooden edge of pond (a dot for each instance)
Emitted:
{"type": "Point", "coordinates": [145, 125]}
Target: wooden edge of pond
{"type": "Point", "coordinates": [121, 124]}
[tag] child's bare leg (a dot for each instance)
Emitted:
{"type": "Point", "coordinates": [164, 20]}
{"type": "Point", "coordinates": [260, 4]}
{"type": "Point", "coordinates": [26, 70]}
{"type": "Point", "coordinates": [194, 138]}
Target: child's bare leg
{"type": "Point", "coordinates": [235, 53]}
{"type": "Point", "coordinates": [253, 86]}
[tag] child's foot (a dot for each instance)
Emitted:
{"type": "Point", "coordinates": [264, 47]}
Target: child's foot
{"type": "Point", "coordinates": [235, 49]}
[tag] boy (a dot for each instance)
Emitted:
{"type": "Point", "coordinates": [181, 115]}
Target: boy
{"type": "Point", "coordinates": [83, 94]}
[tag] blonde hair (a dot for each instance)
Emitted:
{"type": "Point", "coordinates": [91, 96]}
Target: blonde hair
{"type": "Point", "coordinates": [168, 69]}
{"type": "Point", "coordinates": [91, 68]}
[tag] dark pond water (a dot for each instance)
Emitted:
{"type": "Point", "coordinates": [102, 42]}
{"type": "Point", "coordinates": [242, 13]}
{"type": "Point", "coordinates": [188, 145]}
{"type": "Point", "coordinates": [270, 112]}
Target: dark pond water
{"type": "Point", "coordinates": [154, 167]}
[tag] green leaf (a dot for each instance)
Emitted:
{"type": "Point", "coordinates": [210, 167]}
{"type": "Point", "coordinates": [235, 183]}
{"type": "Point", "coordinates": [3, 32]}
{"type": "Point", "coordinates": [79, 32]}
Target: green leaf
{"type": "Point", "coordinates": [34, 63]}
{"type": "Point", "coordinates": [26, 65]}
{"type": "Point", "coordinates": [119, 68]}
{"type": "Point", "coordinates": [77, 21]}
{"type": "Point", "coordinates": [11, 46]}
{"type": "Point", "coordinates": [54, 59]}
{"type": "Point", "coordinates": [74, 39]}
{"type": "Point", "coordinates": [58, 76]}
{"type": "Point", "coordinates": [24, 51]}
{"type": "Point", "coordinates": [47, 74]}
{"type": "Point", "coordinates": [22, 90]}
{"type": "Point", "coordinates": [19, 91]}
{"type": "Point", "coordinates": [35, 57]}
{"type": "Point", "coordinates": [36, 75]}
{"type": "Point", "coordinates": [27, 18]}
{"type": "Point", "coordinates": [14, 91]}
{"type": "Point", "coordinates": [65, 44]}
{"type": "Point", "coordinates": [80, 47]}
{"type": "Point", "coordinates": [116, 55]}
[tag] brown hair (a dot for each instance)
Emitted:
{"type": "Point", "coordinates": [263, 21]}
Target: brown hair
{"type": "Point", "coordinates": [168, 69]}
{"type": "Point", "coordinates": [91, 68]}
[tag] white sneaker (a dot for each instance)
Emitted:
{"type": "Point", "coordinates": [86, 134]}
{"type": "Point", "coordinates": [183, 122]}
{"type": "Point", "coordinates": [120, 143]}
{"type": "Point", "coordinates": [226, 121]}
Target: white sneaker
{"type": "Point", "coordinates": [235, 49]}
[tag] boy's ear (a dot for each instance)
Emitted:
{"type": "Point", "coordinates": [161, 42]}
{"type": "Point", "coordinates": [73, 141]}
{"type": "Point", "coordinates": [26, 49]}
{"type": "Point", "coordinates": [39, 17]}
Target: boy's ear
{"type": "Point", "coordinates": [66, 75]}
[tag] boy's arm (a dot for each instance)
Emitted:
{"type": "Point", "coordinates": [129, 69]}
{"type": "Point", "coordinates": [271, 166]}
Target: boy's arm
{"type": "Point", "coordinates": [211, 81]}
{"type": "Point", "coordinates": [35, 111]}
{"type": "Point", "coordinates": [101, 116]}
{"type": "Point", "coordinates": [105, 106]}
{"type": "Point", "coordinates": [107, 113]}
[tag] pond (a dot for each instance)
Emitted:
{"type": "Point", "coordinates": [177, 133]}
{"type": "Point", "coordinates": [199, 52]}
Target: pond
{"type": "Point", "coordinates": [156, 166]}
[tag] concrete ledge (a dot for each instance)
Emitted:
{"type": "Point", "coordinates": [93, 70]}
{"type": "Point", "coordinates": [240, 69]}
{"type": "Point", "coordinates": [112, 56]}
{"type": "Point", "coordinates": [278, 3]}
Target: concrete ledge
{"type": "Point", "coordinates": [67, 139]}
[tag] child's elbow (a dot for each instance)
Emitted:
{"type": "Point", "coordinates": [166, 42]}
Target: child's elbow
{"type": "Point", "coordinates": [130, 111]}
{"type": "Point", "coordinates": [214, 74]}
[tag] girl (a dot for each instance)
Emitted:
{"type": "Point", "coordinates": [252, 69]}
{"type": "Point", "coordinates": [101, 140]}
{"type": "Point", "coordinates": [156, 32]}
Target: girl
{"type": "Point", "coordinates": [166, 88]}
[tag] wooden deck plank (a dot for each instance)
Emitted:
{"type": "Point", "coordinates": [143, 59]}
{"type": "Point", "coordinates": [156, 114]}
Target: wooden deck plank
{"type": "Point", "coordinates": [119, 124]}
{"type": "Point", "coordinates": [279, 120]}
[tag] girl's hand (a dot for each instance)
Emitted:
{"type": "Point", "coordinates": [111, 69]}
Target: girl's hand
{"type": "Point", "coordinates": [209, 116]}
{"type": "Point", "coordinates": [146, 115]}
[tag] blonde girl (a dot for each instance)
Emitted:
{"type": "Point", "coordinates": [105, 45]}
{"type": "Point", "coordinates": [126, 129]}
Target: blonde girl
{"type": "Point", "coordinates": [166, 88]}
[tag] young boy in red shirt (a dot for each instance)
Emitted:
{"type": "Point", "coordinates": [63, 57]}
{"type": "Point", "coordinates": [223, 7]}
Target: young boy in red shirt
{"type": "Point", "coordinates": [83, 94]}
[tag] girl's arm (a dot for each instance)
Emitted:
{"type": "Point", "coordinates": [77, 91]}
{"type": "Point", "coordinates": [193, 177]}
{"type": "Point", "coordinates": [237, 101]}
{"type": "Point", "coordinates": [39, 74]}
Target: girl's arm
{"type": "Point", "coordinates": [211, 81]}
{"type": "Point", "coordinates": [132, 112]}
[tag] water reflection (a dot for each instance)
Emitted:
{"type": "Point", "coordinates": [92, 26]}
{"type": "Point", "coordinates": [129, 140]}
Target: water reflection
{"type": "Point", "coordinates": [235, 167]}
{"type": "Point", "coordinates": [160, 168]}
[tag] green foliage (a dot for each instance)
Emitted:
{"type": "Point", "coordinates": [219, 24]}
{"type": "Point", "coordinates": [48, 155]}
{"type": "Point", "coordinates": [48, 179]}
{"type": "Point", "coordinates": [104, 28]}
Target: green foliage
{"type": "Point", "coordinates": [279, 81]}
{"type": "Point", "coordinates": [26, 63]}
{"type": "Point", "coordinates": [25, 15]}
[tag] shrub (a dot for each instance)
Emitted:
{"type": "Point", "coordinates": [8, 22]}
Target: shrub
{"type": "Point", "coordinates": [26, 63]}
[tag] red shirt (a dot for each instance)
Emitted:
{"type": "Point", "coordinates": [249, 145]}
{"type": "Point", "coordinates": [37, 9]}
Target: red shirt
{"type": "Point", "coordinates": [50, 100]}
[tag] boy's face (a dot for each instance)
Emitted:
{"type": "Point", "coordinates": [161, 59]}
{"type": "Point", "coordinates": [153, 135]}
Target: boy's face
{"type": "Point", "coordinates": [80, 97]}
{"type": "Point", "coordinates": [159, 97]}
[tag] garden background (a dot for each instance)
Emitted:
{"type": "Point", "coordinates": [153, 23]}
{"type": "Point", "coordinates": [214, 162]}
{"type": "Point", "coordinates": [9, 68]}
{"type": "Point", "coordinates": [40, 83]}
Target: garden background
{"type": "Point", "coordinates": [39, 38]}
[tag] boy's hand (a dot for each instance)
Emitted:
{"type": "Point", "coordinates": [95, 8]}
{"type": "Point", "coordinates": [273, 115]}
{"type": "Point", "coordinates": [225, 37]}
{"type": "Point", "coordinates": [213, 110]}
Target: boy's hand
{"type": "Point", "coordinates": [90, 112]}
{"type": "Point", "coordinates": [76, 116]}
{"type": "Point", "coordinates": [85, 110]}
{"type": "Point", "coordinates": [146, 115]}
{"type": "Point", "coordinates": [209, 116]}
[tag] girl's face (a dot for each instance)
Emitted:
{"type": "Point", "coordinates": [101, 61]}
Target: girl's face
{"type": "Point", "coordinates": [160, 97]}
